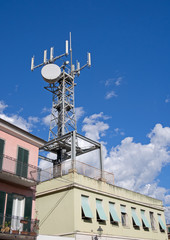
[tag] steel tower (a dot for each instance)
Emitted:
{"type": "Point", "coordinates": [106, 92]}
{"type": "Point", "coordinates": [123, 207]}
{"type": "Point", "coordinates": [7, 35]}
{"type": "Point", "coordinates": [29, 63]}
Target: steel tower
{"type": "Point", "coordinates": [61, 84]}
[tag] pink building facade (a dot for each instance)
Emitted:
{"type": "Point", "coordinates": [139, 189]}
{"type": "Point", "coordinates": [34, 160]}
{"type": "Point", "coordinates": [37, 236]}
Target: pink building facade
{"type": "Point", "coordinates": [19, 176]}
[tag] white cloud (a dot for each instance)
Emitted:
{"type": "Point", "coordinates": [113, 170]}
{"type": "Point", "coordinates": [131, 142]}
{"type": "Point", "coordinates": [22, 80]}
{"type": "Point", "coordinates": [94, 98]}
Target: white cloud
{"type": "Point", "coordinates": [93, 127]}
{"type": "Point", "coordinates": [153, 190]}
{"type": "Point", "coordinates": [33, 119]}
{"type": "Point", "coordinates": [45, 110]}
{"type": "Point", "coordinates": [118, 81]}
{"type": "Point", "coordinates": [167, 214]}
{"type": "Point", "coordinates": [79, 111]}
{"type": "Point", "coordinates": [144, 161]}
{"type": "Point", "coordinates": [93, 118]}
{"type": "Point", "coordinates": [110, 94]}
{"type": "Point", "coordinates": [119, 131]}
{"type": "Point", "coordinates": [17, 120]}
{"type": "Point", "coordinates": [109, 82]}
{"type": "Point", "coordinates": [167, 199]}
{"type": "Point", "coordinates": [160, 136]}
{"type": "Point", "coordinates": [46, 120]}
{"type": "Point", "coordinates": [167, 100]}
{"type": "Point", "coordinates": [2, 106]}
{"type": "Point", "coordinates": [113, 81]}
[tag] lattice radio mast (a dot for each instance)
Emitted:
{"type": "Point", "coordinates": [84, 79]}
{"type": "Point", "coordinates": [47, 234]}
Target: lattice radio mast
{"type": "Point", "coordinates": [61, 84]}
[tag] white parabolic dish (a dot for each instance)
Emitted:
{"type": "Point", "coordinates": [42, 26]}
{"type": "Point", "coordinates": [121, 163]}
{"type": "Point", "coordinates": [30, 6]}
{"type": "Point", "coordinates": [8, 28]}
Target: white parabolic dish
{"type": "Point", "coordinates": [50, 72]}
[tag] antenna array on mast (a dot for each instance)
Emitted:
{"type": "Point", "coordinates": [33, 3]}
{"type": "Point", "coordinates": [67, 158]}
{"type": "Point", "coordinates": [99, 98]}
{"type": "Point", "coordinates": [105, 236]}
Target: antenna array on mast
{"type": "Point", "coordinates": [61, 84]}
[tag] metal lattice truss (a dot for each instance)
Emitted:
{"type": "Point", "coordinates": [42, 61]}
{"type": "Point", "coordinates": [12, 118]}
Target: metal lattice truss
{"type": "Point", "coordinates": [63, 118]}
{"type": "Point", "coordinates": [73, 143]}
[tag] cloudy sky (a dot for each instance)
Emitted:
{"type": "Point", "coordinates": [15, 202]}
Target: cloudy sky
{"type": "Point", "coordinates": [123, 100]}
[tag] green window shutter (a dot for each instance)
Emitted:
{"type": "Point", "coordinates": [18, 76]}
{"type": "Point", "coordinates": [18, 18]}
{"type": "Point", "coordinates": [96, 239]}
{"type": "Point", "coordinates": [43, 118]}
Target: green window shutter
{"type": "Point", "coordinates": [161, 223]}
{"type": "Point", "coordinates": [1, 152]}
{"type": "Point", "coordinates": [28, 213]}
{"type": "Point", "coordinates": [86, 207]}
{"type": "Point", "coordinates": [144, 219]}
{"type": "Point", "coordinates": [28, 207]}
{"type": "Point", "coordinates": [9, 208]}
{"type": "Point", "coordinates": [2, 205]}
{"type": "Point", "coordinates": [25, 163]}
{"type": "Point", "coordinates": [135, 217]}
{"type": "Point", "coordinates": [9, 204]}
{"type": "Point", "coordinates": [100, 210]}
{"type": "Point", "coordinates": [22, 163]}
{"type": "Point", "coordinates": [113, 212]}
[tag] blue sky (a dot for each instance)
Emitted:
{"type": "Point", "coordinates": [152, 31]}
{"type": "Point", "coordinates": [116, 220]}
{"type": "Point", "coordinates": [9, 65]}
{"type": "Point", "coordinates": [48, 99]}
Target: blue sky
{"type": "Point", "coordinates": [123, 100]}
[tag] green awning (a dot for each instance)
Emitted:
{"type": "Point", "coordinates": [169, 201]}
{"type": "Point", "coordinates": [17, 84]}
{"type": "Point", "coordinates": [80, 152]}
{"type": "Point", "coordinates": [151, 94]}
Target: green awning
{"type": "Point", "coordinates": [113, 212]}
{"type": "Point", "coordinates": [144, 219]}
{"type": "Point", "coordinates": [85, 206]}
{"type": "Point", "coordinates": [135, 217]}
{"type": "Point", "coordinates": [161, 222]}
{"type": "Point", "coordinates": [100, 210]}
{"type": "Point", "coordinates": [123, 209]}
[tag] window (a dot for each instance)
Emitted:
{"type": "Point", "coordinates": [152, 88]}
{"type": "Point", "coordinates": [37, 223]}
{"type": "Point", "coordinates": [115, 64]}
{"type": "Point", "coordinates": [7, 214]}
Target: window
{"type": "Point", "coordinates": [18, 207]}
{"type": "Point", "coordinates": [101, 216]}
{"type": "Point", "coordinates": [22, 163]}
{"type": "Point", "coordinates": [161, 224]}
{"type": "Point", "coordinates": [168, 229]}
{"type": "Point", "coordinates": [124, 217]}
{"type": "Point", "coordinates": [153, 225]}
{"type": "Point", "coordinates": [135, 219]}
{"type": "Point", "coordinates": [1, 152]}
{"type": "Point", "coordinates": [86, 211]}
{"type": "Point", "coordinates": [114, 219]}
{"type": "Point", "coordinates": [145, 222]}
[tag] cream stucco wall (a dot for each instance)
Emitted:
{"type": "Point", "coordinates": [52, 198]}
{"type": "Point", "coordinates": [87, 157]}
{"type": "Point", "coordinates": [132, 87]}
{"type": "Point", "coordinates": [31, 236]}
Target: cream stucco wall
{"type": "Point", "coordinates": [59, 208]}
{"type": "Point", "coordinates": [56, 212]}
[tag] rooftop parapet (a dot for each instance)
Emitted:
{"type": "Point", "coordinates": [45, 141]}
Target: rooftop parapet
{"type": "Point", "coordinates": [81, 168]}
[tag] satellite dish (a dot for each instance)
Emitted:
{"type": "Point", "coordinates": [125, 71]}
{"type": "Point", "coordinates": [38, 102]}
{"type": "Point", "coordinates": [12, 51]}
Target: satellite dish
{"type": "Point", "coordinates": [50, 73]}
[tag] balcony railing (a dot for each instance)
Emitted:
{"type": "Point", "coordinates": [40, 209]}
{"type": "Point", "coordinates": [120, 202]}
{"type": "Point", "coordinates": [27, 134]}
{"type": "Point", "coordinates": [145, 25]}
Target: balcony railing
{"type": "Point", "coordinates": [10, 165]}
{"type": "Point", "coordinates": [18, 225]}
{"type": "Point", "coordinates": [81, 168]}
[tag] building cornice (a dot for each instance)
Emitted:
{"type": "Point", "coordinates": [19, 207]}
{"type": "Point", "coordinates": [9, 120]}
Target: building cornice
{"type": "Point", "coordinates": [81, 187]}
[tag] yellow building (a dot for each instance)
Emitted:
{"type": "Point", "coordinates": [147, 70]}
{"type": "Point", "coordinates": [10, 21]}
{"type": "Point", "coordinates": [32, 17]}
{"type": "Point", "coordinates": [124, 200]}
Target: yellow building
{"type": "Point", "coordinates": [78, 203]}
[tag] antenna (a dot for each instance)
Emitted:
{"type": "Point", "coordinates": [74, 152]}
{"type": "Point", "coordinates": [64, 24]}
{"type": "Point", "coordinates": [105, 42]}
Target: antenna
{"type": "Point", "coordinates": [32, 63]}
{"type": "Point", "coordinates": [51, 54]}
{"type": "Point", "coordinates": [45, 56]}
{"type": "Point", "coordinates": [78, 68]}
{"type": "Point", "coordinates": [60, 80]}
{"type": "Point", "coordinates": [89, 59]}
{"type": "Point", "coordinates": [71, 60]}
{"type": "Point", "coordinates": [66, 47]}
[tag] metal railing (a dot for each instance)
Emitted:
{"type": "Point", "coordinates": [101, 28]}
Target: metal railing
{"type": "Point", "coordinates": [81, 168]}
{"type": "Point", "coordinates": [18, 225]}
{"type": "Point", "coordinates": [13, 166]}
